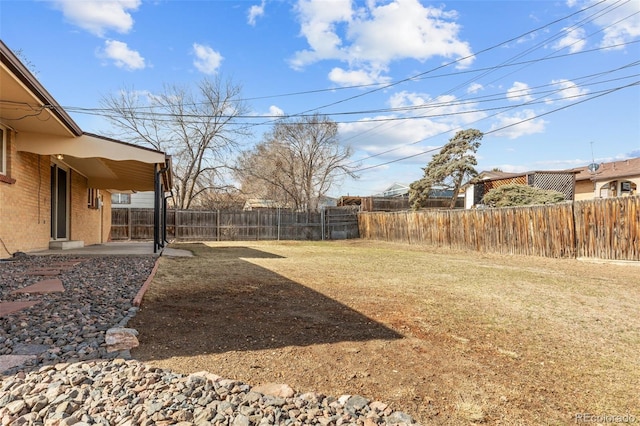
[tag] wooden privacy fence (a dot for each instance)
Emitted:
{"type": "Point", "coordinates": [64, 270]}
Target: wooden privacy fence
{"type": "Point", "coordinates": [604, 228]}
{"type": "Point", "coordinates": [227, 225]}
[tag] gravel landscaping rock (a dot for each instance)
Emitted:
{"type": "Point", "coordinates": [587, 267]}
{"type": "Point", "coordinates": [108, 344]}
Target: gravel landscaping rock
{"type": "Point", "coordinates": [69, 376]}
{"type": "Point", "coordinates": [70, 325]}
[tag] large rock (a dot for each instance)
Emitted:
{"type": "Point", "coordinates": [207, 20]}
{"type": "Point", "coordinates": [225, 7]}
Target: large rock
{"type": "Point", "coordinates": [120, 339]}
{"type": "Point", "coordinates": [275, 389]}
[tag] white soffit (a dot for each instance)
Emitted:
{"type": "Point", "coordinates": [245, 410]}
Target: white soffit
{"type": "Point", "coordinates": [86, 146]}
{"type": "Point", "coordinates": [24, 111]}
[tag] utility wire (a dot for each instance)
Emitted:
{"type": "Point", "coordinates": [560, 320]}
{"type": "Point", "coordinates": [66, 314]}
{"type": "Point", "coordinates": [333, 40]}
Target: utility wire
{"type": "Point", "coordinates": [422, 74]}
{"type": "Point", "coordinates": [607, 92]}
{"type": "Point", "coordinates": [529, 91]}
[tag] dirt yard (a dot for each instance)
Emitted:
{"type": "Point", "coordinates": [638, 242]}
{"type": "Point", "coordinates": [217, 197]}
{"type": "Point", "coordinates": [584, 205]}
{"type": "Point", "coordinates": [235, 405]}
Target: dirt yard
{"type": "Point", "coordinates": [448, 337]}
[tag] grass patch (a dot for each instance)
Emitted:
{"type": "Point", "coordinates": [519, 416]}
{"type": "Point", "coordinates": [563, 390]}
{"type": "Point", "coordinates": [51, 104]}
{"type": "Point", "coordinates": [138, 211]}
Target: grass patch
{"type": "Point", "coordinates": [446, 336]}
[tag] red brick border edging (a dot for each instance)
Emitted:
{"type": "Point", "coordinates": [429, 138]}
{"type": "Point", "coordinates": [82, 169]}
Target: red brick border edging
{"type": "Point", "coordinates": [137, 301]}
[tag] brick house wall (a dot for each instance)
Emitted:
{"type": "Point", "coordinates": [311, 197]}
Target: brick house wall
{"type": "Point", "coordinates": [87, 224]}
{"type": "Point", "coordinates": [25, 203]}
{"type": "Point", "coordinates": [106, 216]}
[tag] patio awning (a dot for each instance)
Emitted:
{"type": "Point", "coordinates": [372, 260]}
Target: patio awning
{"type": "Point", "coordinates": [43, 127]}
{"type": "Point", "coordinates": [106, 163]}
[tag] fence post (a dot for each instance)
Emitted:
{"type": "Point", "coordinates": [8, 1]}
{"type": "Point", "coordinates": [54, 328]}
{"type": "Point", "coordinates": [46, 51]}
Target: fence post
{"type": "Point", "coordinates": [218, 225]}
{"type": "Point", "coordinates": [278, 224]}
{"type": "Point", "coordinates": [176, 223]}
{"type": "Point", "coordinates": [129, 219]}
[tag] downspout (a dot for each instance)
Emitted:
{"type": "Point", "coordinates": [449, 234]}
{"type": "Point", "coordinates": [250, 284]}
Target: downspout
{"type": "Point", "coordinates": [164, 214]}
{"type": "Point", "coordinates": [156, 209]}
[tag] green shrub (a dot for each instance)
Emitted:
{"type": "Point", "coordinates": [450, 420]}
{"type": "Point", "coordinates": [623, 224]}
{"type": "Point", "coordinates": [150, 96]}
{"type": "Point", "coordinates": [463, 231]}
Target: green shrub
{"type": "Point", "coordinates": [520, 195]}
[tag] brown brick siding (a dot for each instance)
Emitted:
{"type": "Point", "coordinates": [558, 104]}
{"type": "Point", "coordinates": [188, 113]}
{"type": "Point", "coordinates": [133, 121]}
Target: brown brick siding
{"type": "Point", "coordinates": [106, 216]}
{"type": "Point", "coordinates": [25, 205]}
{"type": "Point", "coordinates": [85, 222]}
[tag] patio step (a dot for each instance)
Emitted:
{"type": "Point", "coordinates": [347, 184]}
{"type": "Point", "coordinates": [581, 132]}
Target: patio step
{"type": "Point", "coordinates": [65, 245]}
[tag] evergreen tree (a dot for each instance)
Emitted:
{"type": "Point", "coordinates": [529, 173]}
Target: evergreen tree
{"type": "Point", "coordinates": [449, 168]}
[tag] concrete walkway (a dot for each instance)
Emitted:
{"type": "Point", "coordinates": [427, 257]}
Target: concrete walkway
{"type": "Point", "coordinates": [119, 248]}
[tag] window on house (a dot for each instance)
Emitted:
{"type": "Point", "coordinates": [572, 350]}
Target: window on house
{"type": "Point", "coordinates": [93, 198]}
{"type": "Point", "coordinates": [120, 198]}
{"type": "Point", "coordinates": [3, 150]}
{"type": "Point", "coordinates": [628, 188]}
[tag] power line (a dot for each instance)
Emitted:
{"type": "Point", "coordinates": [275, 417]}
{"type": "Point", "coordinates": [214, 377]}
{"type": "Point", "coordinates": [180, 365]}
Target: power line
{"type": "Point", "coordinates": [490, 70]}
{"type": "Point", "coordinates": [529, 91]}
{"type": "Point", "coordinates": [604, 93]}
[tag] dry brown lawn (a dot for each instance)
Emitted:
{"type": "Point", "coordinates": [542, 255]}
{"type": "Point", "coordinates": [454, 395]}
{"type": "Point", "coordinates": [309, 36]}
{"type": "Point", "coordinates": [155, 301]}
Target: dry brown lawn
{"type": "Point", "coordinates": [448, 337]}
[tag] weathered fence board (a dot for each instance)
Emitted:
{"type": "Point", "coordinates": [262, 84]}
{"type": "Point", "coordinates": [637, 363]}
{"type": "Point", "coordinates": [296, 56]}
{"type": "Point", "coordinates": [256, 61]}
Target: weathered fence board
{"type": "Point", "coordinates": [608, 228]}
{"type": "Point", "coordinates": [225, 225]}
{"type": "Point", "coordinates": [604, 228]}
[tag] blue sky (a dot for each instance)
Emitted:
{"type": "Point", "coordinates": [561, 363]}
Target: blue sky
{"type": "Point", "coordinates": [400, 77]}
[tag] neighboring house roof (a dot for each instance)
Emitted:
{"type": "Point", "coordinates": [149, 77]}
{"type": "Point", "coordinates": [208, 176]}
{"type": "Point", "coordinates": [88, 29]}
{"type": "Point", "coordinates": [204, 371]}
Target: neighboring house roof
{"type": "Point", "coordinates": [496, 174]}
{"type": "Point", "coordinates": [607, 171]}
{"type": "Point", "coordinates": [257, 203]}
{"type": "Point", "coordinates": [44, 128]}
{"type": "Point", "coordinates": [395, 190]}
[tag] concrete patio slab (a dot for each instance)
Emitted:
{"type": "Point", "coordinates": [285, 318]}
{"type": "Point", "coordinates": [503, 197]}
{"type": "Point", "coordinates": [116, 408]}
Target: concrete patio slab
{"type": "Point", "coordinates": [7, 308]}
{"type": "Point", "coordinates": [42, 287]}
{"type": "Point", "coordinates": [127, 248]}
{"type": "Point", "coordinates": [176, 252]}
{"type": "Point", "coordinates": [106, 249]}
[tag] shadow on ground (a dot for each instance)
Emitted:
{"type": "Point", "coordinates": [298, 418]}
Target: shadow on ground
{"type": "Point", "coordinates": [218, 301]}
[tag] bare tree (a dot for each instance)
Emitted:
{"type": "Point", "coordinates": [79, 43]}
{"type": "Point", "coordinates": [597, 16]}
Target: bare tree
{"type": "Point", "coordinates": [296, 163]}
{"type": "Point", "coordinates": [449, 168]}
{"type": "Point", "coordinates": [196, 127]}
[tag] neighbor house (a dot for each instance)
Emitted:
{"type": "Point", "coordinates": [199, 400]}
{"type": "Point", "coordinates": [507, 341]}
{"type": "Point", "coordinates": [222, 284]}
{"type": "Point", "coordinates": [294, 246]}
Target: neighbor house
{"type": "Point", "coordinates": [562, 181]}
{"type": "Point", "coordinates": [56, 181]}
{"type": "Point", "coordinates": [605, 180]}
{"type": "Point", "coordinates": [396, 198]}
{"type": "Point", "coordinates": [133, 200]}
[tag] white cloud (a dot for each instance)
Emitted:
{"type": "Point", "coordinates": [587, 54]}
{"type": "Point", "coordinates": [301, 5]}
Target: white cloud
{"type": "Point", "coordinates": [122, 56]}
{"type": "Point", "coordinates": [319, 19]}
{"type": "Point", "coordinates": [373, 35]}
{"type": "Point", "coordinates": [574, 39]}
{"type": "Point", "coordinates": [475, 88]}
{"type": "Point", "coordinates": [207, 60]}
{"type": "Point", "coordinates": [519, 124]}
{"type": "Point", "coordinates": [568, 90]}
{"type": "Point", "coordinates": [355, 77]}
{"type": "Point", "coordinates": [519, 92]}
{"type": "Point", "coordinates": [255, 12]}
{"type": "Point", "coordinates": [446, 109]}
{"type": "Point", "coordinates": [399, 138]}
{"type": "Point", "coordinates": [424, 123]}
{"type": "Point", "coordinates": [275, 111]}
{"type": "Point", "coordinates": [98, 16]}
{"type": "Point", "coordinates": [621, 24]}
